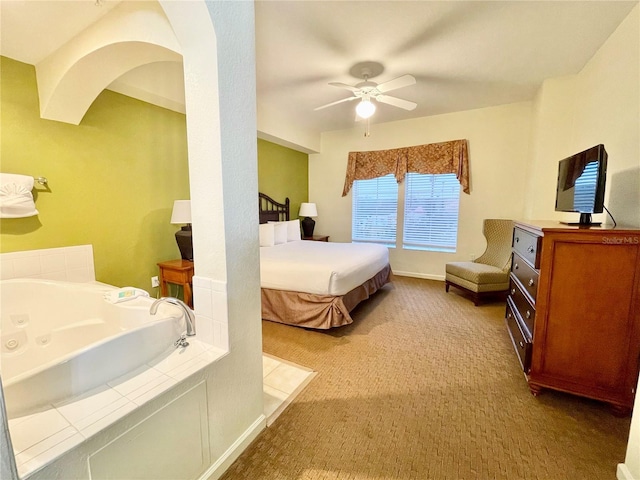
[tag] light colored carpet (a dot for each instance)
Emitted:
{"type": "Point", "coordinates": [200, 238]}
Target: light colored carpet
{"type": "Point", "coordinates": [424, 385]}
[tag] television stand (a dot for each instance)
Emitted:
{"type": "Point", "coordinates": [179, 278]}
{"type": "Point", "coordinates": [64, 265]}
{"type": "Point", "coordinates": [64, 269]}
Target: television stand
{"type": "Point", "coordinates": [585, 222]}
{"type": "Point", "coordinates": [582, 225]}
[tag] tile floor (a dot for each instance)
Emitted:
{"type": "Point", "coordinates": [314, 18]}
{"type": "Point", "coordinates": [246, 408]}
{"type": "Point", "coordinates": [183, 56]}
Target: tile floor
{"type": "Point", "coordinates": [282, 382]}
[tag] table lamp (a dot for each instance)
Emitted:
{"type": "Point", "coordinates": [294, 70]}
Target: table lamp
{"type": "Point", "coordinates": [182, 214]}
{"type": "Point", "coordinates": [308, 210]}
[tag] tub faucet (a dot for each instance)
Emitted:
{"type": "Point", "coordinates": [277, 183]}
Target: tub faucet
{"type": "Point", "coordinates": [189, 316]}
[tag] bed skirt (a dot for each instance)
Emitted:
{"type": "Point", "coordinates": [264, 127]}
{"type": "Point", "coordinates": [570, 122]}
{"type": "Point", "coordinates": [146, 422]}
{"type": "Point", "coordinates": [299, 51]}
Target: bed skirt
{"type": "Point", "coordinates": [319, 311]}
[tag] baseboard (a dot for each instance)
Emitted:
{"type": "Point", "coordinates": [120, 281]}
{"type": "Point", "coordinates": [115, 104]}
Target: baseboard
{"type": "Point", "coordinates": [623, 473]}
{"type": "Point", "coordinates": [426, 276]}
{"type": "Point", "coordinates": [215, 471]}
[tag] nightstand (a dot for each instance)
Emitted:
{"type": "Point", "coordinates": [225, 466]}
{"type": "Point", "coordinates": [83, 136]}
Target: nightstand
{"type": "Point", "coordinates": [178, 272]}
{"type": "Point", "coordinates": [317, 238]}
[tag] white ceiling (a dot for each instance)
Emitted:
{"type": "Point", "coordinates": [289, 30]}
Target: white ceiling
{"type": "Point", "coordinates": [464, 55]}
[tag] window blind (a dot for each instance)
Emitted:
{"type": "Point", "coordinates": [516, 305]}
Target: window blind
{"type": "Point", "coordinates": [585, 189]}
{"type": "Point", "coordinates": [431, 212]}
{"type": "Point", "coordinates": [375, 210]}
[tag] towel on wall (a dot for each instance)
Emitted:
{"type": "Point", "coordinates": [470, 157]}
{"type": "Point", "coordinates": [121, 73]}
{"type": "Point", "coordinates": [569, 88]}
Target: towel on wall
{"type": "Point", "coordinates": [16, 199]}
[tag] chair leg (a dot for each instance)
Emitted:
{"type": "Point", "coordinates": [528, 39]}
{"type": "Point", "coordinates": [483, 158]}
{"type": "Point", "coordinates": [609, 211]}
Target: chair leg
{"type": "Point", "coordinates": [476, 299]}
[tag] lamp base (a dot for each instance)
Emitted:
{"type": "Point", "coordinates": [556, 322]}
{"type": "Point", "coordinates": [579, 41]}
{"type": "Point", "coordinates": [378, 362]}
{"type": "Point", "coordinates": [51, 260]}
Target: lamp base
{"type": "Point", "coordinates": [308, 224]}
{"type": "Point", "coordinates": [185, 243]}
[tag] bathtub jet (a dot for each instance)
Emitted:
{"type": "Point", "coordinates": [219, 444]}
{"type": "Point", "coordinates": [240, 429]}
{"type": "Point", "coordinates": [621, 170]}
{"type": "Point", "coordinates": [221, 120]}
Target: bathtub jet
{"type": "Point", "coordinates": [61, 339]}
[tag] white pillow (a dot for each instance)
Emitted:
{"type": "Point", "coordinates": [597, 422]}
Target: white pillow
{"type": "Point", "coordinates": [267, 235]}
{"type": "Point", "coordinates": [279, 233]}
{"type": "Point", "coordinates": [293, 229]}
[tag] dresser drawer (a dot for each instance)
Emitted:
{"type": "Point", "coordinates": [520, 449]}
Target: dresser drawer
{"type": "Point", "coordinates": [527, 245]}
{"type": "Point", "coordinates": [521, 344]}
{"type": "Point", "coordinates": [527, 276]}
{"type": "Point", "coordinates": [524, 308]}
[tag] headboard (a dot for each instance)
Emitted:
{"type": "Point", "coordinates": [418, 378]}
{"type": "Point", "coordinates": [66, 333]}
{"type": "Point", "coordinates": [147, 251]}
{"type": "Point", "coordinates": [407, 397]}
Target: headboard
{"type": "Point", "coordinates": [272, 211]}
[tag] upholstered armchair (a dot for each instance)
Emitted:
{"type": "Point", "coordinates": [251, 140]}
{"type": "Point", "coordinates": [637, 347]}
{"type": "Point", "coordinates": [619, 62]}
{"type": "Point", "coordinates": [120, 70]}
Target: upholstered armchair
{"type": "Point", "coordinates": [487, 275]}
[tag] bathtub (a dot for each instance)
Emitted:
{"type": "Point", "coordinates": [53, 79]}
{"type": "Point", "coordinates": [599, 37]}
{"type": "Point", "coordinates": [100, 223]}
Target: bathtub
{"type": "Point", "coordinates": [60, 339]}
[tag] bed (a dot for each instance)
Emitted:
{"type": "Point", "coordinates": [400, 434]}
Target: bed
{"type": "Point", "coordinates": [315, 284]}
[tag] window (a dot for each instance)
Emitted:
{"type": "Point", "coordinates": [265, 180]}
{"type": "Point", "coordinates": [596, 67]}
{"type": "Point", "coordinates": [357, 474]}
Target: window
{"type": "Point", "coordinates": [375, 210]}
{"type": "Point", "coordinates": [431, 212]}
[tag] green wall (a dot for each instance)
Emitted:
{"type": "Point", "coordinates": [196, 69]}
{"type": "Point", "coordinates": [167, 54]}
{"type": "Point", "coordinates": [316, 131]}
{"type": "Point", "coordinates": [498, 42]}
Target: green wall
{"type": "Point", "coordinates": [112, 179]}
{"type": "Point", "coordinates": [282, 173]}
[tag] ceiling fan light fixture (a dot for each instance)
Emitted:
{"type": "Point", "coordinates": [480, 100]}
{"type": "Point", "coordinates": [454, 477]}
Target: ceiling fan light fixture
{"type": "Point", "coordinates": [365, 108]}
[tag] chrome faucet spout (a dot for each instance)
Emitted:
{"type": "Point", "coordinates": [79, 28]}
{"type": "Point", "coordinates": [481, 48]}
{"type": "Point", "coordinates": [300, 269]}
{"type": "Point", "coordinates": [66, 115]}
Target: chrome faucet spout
{"type": "Point", "coordinates": [189, 316]}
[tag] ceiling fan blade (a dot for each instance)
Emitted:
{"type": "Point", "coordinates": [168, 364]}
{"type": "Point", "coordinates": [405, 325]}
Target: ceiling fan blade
{"type": "Point", "coordinates": [335, 103]}
{"type": "Point", "coordinates": [396, 102]}
{"type": "Point", "coordinates": [344, 85]}
{"type": "Point", "coordinates": [403, 81]}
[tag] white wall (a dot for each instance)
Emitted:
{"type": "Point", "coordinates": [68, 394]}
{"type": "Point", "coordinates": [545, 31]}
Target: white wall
{"type": "Point", "coordinates": [235, 382]}
{"type": "Point", "coordinates": [498, 150]}
{"type": "Point", "coordinates": [598, 105]}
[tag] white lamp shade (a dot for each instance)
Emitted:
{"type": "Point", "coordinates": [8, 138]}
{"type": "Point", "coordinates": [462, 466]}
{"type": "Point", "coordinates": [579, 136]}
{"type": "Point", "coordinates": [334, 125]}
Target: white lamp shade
{"type": "Point", "coordinates": [181, 211]}
{"type": "Point", "coordinates": [308, 210]}
{"type": "Point", "coordinates": [365, 109]}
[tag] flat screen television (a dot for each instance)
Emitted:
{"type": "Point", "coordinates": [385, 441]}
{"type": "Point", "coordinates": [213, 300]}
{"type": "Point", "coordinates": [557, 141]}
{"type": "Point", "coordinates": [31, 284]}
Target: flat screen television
{"type": "Point", "coordinates": [581, 180]}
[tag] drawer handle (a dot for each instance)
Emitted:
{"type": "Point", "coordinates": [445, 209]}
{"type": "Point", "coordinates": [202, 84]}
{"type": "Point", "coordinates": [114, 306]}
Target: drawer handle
{"type": "Point", "coordinates": [531, 282]}
{"type": "Point", "coordinates": [521, 344]}
{"type": "Point", "coordinates": [530, 249]}
{"type": "Point", "coordinates": [517, 239]}
{"type": "Point", "coordinates": [513, 291]}
{"type": "Point", "coordinates": [515, 267]}
{"type": "Point", "coordinates": [528, 314]}
{"type": "Point", "coordinates": [509, 315]}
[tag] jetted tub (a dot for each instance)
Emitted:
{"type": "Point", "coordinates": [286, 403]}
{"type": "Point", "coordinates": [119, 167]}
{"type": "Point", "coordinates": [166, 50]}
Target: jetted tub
{"type": "Point", "coordinates": [60, 339]}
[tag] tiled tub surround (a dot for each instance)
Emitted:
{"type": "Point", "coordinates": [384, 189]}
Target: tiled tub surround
{"type": "Point", "coordinates": [41, 437]}
{"type": "Point", "coordinates": [70, 264]}
{"type": "Point", "coordinates": [121, 375]}
{"type": "Point", "coordinates": [74, 363]}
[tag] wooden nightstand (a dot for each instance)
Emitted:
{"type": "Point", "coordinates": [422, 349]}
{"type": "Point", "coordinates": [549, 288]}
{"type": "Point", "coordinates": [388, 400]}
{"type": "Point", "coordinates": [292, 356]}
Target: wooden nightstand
{"type": "Point", "coordinates": [317, 238]}
{"type": "Point", "coordinates": [178, 272]}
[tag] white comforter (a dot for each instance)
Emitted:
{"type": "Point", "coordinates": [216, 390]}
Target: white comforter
{"type": "Point", "coordinates": [322, 268]}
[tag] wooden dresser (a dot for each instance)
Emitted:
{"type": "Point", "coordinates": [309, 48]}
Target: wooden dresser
{"type": "Point", "coordinates": [573, 310]}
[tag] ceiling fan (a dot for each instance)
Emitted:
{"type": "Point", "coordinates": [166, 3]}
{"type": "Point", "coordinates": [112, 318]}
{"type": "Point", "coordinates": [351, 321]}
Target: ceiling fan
{"type": "Point", "coordinates": [368, 90]}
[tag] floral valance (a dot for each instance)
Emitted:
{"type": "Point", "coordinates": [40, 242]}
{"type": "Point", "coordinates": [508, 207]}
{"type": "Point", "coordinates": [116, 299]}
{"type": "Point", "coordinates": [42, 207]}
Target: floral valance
{"type": "Point", "coordinates": [444, 157]}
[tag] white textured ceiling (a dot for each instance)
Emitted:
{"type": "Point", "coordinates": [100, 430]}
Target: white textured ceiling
{"type": "Point", "coordinates": [464, 55]}
{"type": "Point", "coordinates": [31, 30]}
